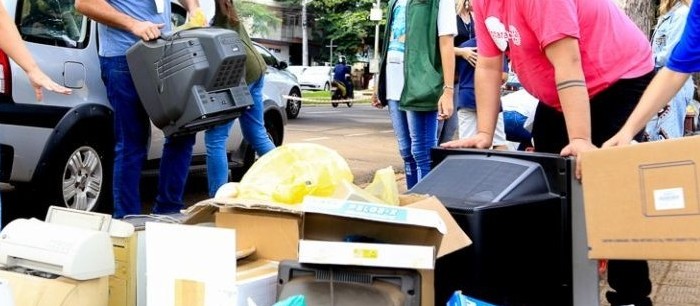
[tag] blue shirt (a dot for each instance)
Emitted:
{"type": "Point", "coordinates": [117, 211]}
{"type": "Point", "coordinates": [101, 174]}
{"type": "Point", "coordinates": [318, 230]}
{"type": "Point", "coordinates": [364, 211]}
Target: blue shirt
{"type": "Point", "coordinates": [685, 57]}
{"type": "Point", "coordinates": [114, 41]}
{"type": "Point", "coordinates": [339, 72]}
{"type": "Point", "coordinates": [465, 73]}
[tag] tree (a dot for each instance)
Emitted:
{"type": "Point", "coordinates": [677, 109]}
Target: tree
{"type": "Point", "coordinates": [642, 12]}
{"type": "Point", "coordinates": [259, 17]}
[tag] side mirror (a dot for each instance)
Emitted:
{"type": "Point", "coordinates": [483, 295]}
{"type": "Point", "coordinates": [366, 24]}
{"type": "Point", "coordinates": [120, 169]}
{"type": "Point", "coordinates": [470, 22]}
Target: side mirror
{"type": "Point", "coordinates": [282, 65]}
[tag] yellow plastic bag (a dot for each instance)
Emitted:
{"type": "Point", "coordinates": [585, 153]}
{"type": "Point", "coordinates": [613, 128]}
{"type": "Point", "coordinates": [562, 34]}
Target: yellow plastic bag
{"type": "Point", "coordinates": [195, 20]}
{"type": "Point", "coordinates": [292, 171]}
{"type": "Point", "coordinates": [384, 186]}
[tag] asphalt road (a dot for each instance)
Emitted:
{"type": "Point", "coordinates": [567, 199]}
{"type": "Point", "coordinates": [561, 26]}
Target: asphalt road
{"type": "Point", "coordinates": [361, 134]}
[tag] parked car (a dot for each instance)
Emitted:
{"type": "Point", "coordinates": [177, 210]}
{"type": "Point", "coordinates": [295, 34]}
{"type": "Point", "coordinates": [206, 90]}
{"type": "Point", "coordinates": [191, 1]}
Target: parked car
{"type": "Point", "coordinates": [284, 80]}
{"type": "Point", "coordinates": [317, 78]}
{"type": "Point", "coordinates": [61, 148]}
{"type": "Point", "coordinates": [296, 70]}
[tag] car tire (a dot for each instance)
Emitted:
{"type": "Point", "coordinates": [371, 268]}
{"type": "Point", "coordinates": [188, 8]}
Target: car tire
{"type": "Point", "coordinates": [80, 175]}
{"type": "Point", "coordinates": [327, 87]}
{"type": "Point", "coordinates": [293, 106]}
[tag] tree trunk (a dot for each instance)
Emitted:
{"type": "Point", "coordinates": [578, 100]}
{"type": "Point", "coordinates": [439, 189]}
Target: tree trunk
{"type": "Point", "coordinates": [642, 12]}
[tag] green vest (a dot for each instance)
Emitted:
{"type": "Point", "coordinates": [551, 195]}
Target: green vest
{"type": "Point", "coordinates": [254, 65]}
{"type": "Point", "coordinates": [422, 64]}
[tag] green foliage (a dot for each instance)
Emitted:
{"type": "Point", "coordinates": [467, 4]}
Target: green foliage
{"type": "Point", "coordinates": [346, 22]}
{"type": "Point", "coordinates": [262, 19]}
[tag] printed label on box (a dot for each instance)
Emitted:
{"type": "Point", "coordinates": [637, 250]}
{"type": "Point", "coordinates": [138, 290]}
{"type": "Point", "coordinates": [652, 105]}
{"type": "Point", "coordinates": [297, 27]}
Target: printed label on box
{"type": "Point", "coordinates": [670, 198]}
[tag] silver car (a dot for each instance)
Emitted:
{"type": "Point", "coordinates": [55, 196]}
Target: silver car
{"type": "Point", "coordinates": [62, 147]}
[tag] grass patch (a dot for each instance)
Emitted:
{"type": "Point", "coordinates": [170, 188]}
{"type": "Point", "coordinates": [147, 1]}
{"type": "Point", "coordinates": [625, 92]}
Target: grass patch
{"type": "Point", "coordinates": [316, 94]}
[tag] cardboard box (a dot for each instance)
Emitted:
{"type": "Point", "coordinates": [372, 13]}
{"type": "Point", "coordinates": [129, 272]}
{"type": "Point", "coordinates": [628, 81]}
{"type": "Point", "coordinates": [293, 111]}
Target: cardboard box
{"type": "Point", "coordinates": [641, 201]}
{"type": "Point", "coordinates": [275, 230]}
{"type": "Point", "coordinates": [396, 236]}
{"type": "Point", "coordinates": [29, 290]}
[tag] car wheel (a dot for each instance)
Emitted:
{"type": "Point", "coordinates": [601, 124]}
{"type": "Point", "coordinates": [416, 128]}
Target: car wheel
{"type": "Point", "coordinates": [293, 105]}
{"type": "Point", "coordinates": [334, 104]}
{"type": "Point", "coordinates": [81, 176]}
{"type": "Point", "coordinates": [349, 104]}
{"type": "Point", "coordinates": [327, 87]}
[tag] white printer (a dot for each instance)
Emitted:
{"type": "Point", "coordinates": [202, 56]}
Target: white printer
{"type": "Point", "coordinates": [69, 251]}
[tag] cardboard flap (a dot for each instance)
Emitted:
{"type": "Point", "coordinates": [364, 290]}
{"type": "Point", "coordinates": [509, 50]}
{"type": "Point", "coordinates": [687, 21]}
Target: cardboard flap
{"type": "Point", "coordinates": [455, 238]}
{"type": "Point", "coordinates": [374, 212]}
{"type": "Point", "coordinates": [204, 210]}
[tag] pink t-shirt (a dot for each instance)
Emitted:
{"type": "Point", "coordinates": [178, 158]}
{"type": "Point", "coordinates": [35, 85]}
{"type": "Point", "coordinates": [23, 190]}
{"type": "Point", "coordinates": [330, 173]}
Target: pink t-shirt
{"type": "Point", "coordinates": [612, 46]}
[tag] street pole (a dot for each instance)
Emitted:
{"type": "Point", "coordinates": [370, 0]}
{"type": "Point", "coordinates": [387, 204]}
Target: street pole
{"type": "Point", "coordinates": [375, 15]}
{"type": "Point", "coordinates": [331, 46]}
{"type": "Point", "coordinates": [304, 38]}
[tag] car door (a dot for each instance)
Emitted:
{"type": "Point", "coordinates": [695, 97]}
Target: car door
{"type": "Point", "coordinates": [273, 76]}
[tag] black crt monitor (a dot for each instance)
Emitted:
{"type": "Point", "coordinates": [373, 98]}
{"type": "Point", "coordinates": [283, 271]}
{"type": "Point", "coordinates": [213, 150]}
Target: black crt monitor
{"type": "Point", "coordinates": [515, 208]}
{"type": "Point", "coordinates": [191, 80]}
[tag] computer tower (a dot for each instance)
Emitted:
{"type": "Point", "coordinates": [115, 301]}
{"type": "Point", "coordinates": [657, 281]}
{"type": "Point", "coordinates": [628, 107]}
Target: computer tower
{"type": "Point", "coordinates": [515, 207]}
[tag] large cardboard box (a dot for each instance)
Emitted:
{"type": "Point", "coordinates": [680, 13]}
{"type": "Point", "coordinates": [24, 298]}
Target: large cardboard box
{"type": "Point", "coordinates": [275, 231]}
{"type": "Point", "coordinates": [641, 201]}
{"type": "Point", "coordinates": [29, 290]}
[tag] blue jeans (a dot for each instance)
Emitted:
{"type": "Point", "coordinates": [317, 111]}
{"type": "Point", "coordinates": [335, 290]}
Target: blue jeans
{"type": "Point", "coordinates": [254, 132]}
{"type": "Point", "coordinates": [132, 133]}
{"type": "Point", "coordinates": [416, 133]}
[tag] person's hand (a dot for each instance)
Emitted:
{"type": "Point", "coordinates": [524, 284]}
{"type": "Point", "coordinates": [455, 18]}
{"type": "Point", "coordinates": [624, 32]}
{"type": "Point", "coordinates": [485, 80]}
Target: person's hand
{"type": "Point", "coordinates": [41, 81]}
{"type": "Point", "coordinates": [375, 101]}
{"type": "Point", "coordinates": [620, 139]}
{"type": "Point", "coordinates": [479, 141]}
{"type": "Point", "coordinates": [446, 104]}
{"type": "Point", "coordinates": [575, 148]}
{"type": "Point", "coordinates": [471, 56]}
{"type": "Point", "coordinates": [147, 30]}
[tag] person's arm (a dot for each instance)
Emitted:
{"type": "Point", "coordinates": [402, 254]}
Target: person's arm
{"type": "Point", "coordinates": [447, 55]}
{"type": "Point", "coordinates": [662, 88]}
{"type": "Point", "coordinates": [487, 83]}
{"type": "Point", "coordinates": [565, 56]}
{"type": "Point", "coordinates": [103, 12]}
{"type": "Point", "coordinates": [13, 45]}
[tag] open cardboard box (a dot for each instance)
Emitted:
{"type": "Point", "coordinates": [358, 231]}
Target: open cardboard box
{"type": "Point", "coordinates": [279, 232]}
{"type": "Point", "coordinates": [642, 201]}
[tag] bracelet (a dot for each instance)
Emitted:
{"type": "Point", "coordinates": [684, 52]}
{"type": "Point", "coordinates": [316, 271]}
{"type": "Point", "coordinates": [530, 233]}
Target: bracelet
{"type": "Point", "coordinates": [448, 87]}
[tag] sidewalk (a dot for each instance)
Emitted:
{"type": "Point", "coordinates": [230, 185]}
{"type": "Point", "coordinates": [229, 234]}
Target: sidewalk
{"type": "Point", "coordinates": [675, 283]}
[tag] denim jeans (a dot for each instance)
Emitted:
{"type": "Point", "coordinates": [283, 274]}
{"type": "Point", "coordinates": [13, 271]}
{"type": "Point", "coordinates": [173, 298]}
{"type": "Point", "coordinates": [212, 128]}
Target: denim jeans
{"type": "Point", "coordinates": [132, 133]}
{"type": "Point", "coordinates": [254, 132]}
{"type": "Point", "coordinates": [416, 133]}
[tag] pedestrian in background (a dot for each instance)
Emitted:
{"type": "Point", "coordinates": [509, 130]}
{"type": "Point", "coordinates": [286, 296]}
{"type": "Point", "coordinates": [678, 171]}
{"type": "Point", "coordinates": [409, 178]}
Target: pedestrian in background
{"type": "Point", "coordinates": [669, 122]}
{"type": "Point", "coordinates": [13, 46]}
{"type": "Point", "coordinates": [123, 23]}
{"type": "Point", "coordinates": [588, 64]}
{"type": "Point", "coordinates": [416, 78]}
{"type": "Point", "coordinates": [465, 50]}
{"type": "Point", "coordinates": [682, 61]}
{"type": "Point", "coordinates": [251, 120]}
